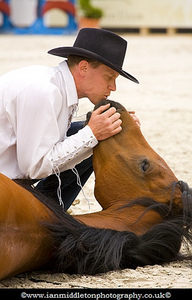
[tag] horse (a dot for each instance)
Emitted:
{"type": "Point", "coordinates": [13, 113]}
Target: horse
{"type": "Point", "coordinates": [146, 215]}
{"type": "Point", "coordinates": [127, 168]}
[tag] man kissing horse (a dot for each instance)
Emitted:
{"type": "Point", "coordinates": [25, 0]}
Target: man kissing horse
{"type": "Point", "coordinates": [146, 215]}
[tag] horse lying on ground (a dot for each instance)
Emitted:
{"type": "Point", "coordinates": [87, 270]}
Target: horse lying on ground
{"type": "Point", "coordinates": [147, 213]}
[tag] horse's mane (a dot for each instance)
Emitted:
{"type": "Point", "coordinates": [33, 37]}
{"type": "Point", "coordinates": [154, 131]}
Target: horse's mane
{"type": "Point", "coordinates": [79, 248]}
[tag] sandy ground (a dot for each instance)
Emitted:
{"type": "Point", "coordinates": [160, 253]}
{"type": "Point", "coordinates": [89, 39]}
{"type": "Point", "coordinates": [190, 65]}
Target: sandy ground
{"type": "Point", "coordinates": [162, 101]}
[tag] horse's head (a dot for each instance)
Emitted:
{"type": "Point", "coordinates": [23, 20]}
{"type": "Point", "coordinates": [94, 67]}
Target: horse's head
{"type": "Point", "coordinates": [127, 168]}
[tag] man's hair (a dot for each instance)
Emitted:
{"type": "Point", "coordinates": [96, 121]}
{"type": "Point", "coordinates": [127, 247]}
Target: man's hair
{"type": "Point", "coordinates": [75, 60]}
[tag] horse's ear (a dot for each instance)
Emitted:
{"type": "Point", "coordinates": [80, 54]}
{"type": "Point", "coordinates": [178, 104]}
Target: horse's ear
{"type": "Point", "coordinates": [88, 116]}
{"type": "Point", "coordinates": [100, 103]}
{"type": "Point", "coordinates": [112, 103]}
{"type": "Point", "coordinates": [115, 104]}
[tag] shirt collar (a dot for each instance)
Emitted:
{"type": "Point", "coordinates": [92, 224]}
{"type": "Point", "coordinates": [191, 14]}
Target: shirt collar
{"type": "Point", "coordinates": [71, 92]}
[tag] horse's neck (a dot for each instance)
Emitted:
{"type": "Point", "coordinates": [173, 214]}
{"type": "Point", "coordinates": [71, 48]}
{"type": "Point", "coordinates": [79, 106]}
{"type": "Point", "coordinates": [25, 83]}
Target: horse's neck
{"type": "Point", "coordinates": [132, 219]}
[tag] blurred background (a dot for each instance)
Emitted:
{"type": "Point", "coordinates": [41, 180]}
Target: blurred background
{"type": "Point", "coordinates": [66, 17]}
{"type": "Point", "coordinates": [159, 36]}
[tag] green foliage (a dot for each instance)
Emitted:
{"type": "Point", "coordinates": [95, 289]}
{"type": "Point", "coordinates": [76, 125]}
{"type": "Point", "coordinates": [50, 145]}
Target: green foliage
{"type": "Point", "coordinates": [89, 11]}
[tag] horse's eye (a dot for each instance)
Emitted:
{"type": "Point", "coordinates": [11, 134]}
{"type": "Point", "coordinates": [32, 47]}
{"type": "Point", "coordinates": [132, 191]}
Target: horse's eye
{"type": "Point", "coordinates": [145, 165]}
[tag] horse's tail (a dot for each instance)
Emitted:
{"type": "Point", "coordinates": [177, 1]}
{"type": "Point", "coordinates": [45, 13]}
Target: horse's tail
{"type": "Point", "coordinates": [87, 250]}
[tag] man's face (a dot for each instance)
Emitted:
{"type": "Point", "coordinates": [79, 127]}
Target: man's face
{"type": "Point", "coordinates": [99, 83]}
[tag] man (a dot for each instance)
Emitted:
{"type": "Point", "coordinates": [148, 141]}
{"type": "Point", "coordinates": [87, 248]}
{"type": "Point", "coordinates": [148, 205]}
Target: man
{"type": "Point", "coordinates": [38, 141]}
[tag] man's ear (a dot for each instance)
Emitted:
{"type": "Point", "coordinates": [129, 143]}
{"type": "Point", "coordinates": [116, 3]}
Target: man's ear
{"type": "Point", "coordinates": [83, 67]}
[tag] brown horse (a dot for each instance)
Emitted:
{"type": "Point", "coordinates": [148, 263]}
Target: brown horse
{"type": "Point", "coordinates": [127, 168]}
{"type": "Point", "coordinates": [146, 214]}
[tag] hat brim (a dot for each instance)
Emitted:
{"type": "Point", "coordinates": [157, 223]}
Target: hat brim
{"type": "Point", "coordinates": [66, 51]}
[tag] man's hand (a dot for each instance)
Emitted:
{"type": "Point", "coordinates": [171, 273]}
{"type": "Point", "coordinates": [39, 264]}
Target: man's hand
{"type": "Point", "coordinates": [135, 118]}
{"type": "Point", "coordinates": [105, 124]}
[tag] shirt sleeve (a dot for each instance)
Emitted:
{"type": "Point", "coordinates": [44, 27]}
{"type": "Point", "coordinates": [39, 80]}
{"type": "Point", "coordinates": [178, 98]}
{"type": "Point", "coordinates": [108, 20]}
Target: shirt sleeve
{"type": "Point", "coordinates": [39, 149]}
{"type": "Point", "coordinates": [74, 149]}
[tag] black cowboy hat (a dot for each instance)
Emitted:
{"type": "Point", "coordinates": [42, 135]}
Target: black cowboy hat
{"type": "Point", "coordinates": [100, 45]}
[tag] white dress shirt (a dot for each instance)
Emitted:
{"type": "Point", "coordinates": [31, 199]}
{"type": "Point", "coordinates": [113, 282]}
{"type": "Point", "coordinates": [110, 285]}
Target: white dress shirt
{"type": "Point", "coordinates": [36, 106]}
